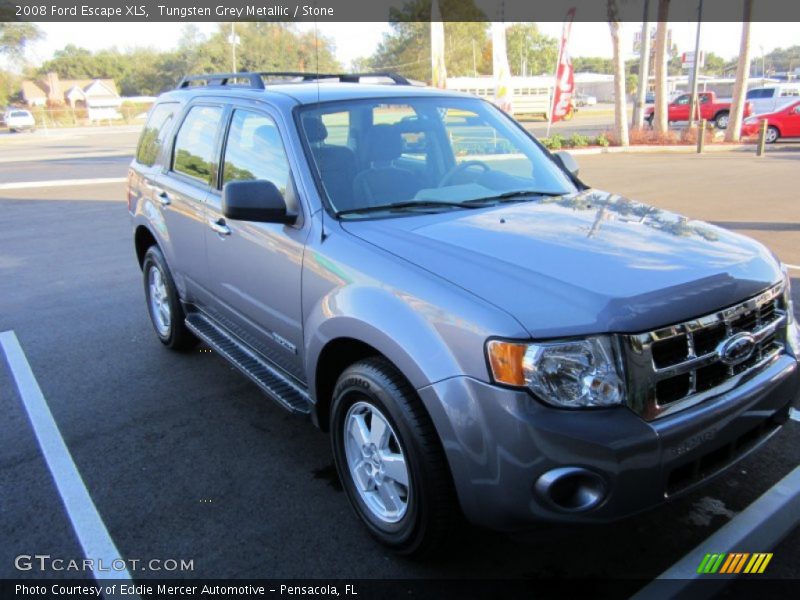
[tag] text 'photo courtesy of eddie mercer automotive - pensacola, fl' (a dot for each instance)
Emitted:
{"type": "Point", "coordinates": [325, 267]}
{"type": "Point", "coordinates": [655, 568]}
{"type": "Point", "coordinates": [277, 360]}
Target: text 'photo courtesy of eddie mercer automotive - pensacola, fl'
{"type": "Point", "coordinates": [443, 303]}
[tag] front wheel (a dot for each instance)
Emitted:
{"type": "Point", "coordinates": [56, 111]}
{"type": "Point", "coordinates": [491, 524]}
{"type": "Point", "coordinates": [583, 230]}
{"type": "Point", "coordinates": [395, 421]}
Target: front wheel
{"type": "Point", "coordinates": [389, 458]}
{"type": "Point", "coordinates": [772, 134]}
{"type": "Point", "coordinates": [163, 303]}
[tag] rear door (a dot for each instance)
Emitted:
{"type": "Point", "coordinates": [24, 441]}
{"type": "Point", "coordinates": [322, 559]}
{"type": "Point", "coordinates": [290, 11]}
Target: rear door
{"type": "Point", "coordinates": [183, 189]}
{"type": "Point", "coordinates": [254, 269]}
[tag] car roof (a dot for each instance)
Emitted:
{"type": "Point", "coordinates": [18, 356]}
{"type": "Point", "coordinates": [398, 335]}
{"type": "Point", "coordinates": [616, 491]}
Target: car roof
{"type": "Point", "coordinates": [312, 93]}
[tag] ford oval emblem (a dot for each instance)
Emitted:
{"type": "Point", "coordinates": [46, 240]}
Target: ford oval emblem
{"type": "Point", "coordinates": [737, 349]}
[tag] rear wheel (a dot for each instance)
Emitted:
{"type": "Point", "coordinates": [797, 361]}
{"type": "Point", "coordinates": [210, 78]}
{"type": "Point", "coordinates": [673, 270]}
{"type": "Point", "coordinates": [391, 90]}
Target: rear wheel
{"type": "Point", "coordinates": [389, 458]}
{"type": "Point", "coordinates": [721, 120]}
{"type": "Point", "coordinates": [163, 303]}
{"type": "Point", "coordinates": [772, 134]}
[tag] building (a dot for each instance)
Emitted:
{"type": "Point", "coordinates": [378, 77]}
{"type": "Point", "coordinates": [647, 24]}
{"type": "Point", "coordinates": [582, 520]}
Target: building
{"type": "Point", "coordinates": [98, 96]}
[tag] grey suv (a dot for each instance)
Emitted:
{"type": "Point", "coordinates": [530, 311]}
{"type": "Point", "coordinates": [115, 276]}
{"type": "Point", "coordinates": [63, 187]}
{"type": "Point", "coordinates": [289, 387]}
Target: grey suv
{"type": "Point", "coordinates": [479, 331]}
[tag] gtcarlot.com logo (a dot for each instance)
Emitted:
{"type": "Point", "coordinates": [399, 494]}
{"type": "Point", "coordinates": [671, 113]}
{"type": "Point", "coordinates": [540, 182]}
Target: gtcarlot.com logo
{"type": "Point", "coordinates": [44, 562]}
{"type": "Point", "coordinates": [729, 563]}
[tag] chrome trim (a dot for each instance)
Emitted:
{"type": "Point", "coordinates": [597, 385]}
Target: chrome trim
{"type": "Point", "coordinates": [770, 319]}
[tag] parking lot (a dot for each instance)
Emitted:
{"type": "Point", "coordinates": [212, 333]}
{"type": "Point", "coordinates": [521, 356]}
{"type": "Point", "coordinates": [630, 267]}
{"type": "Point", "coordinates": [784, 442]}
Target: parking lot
{"type": "Point", "coordinates": [185, 459]}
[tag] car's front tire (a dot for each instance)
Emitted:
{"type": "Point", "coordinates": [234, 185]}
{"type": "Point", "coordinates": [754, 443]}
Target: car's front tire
{"type": "Point", "coordinates": [163, 303]}
{"type": "Point", "coordinates": [390, 459]}
{"type": "Point", "coordinates": [772, 134]}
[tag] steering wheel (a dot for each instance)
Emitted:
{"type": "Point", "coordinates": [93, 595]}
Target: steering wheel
{"type": "Point", "coordinates": [462, 168]}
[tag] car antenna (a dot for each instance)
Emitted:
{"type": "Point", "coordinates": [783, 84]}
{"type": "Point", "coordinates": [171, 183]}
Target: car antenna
{"type": "Point", "coordinates": [316, 59]}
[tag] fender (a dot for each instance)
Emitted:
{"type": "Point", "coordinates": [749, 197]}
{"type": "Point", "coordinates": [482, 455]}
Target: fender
{"type": "Point", "coordinates": [406, 334]}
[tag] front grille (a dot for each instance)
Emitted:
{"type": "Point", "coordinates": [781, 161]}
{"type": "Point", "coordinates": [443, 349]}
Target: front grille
{"type": "Point", "coordinates": [673, 367]}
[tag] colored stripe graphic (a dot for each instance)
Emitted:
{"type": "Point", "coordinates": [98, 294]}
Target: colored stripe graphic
{"type": "Point", "coordinates": [733, 563]}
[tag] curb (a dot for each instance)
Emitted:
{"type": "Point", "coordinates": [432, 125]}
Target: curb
{"type": "Point", "coordinates": [685, 149]}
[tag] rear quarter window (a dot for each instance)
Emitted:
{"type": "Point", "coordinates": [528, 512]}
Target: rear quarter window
{"type": "Point", "coordinates": [154, 133]}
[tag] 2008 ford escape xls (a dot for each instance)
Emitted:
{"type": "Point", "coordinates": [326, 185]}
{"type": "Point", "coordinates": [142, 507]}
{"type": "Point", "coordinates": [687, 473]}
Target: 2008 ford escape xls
{"type": "Point", "coordinates": [477, 329]}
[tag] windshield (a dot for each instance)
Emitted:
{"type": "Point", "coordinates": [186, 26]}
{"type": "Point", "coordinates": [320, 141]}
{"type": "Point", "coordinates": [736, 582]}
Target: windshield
{"type": "Point", "coordinates": [425, 153]}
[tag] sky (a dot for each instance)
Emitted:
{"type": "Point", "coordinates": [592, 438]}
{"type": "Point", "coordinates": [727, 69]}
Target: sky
{"type": "Point", "coordinates": [354, 40]}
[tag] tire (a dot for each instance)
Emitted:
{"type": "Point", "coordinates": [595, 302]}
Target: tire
{"type": "Point", "coordinates": [649, 121]}
{"type": "Point", "coordinates": [163, 302]}
{"type": "Point", "coordinates": [721, 120]}
{"type": "Point", "coordinates": [772, 134]}
{"type": "Point", "coordinates": [423, 511]}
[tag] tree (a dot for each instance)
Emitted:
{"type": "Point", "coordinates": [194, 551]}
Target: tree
{"type": "Point", "coordinates": [620, 97]}
{"type": "Point", "coordinates": [530, 52]}
{"type": "Point", "coordinates": [644, 72]}
{"type": "Point", "coordinates": [592, 64]}
{"type": "Point", "coordinates": [734, 131]}
{"type": "Point", "coordinates": [406, 49]}
{"type": "Point", "coordinates": [660, 112]}
{"type": "Point", "coordinates": [15, 37]}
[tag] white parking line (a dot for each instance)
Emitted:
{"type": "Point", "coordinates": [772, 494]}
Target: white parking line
{"type": "Point", "coordinates": [793, 267]}
{"type": "Point", "coordinates": [86, 521]}
{"type": "Point", "coordinates": [758, 528]}
{"type": "Point", "coordinates": [25, 185]}
{"type": "Point", "coordinates": [794, 414]}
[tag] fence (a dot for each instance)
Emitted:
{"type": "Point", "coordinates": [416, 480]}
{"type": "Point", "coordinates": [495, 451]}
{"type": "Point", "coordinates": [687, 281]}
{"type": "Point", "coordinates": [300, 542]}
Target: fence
{"type": "Point", "coordinates": [65, 116]}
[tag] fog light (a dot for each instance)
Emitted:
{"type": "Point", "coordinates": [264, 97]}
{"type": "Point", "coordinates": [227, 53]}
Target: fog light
{"type": "Point", "coordinates": [571, 489]}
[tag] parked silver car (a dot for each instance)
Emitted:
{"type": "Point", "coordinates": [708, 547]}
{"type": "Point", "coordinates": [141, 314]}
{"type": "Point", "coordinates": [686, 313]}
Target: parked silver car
{"type": "Point", "coordinates": [479, 331]}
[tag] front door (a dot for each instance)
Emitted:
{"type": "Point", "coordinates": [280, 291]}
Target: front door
{"type": "Point", "coordinates": [254, 269]}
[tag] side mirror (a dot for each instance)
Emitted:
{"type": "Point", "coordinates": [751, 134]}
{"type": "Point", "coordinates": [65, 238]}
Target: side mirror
{"type": "Point", "coordinates": [568, 162]}
{"type": "Point", "coordinates": [255, 200]}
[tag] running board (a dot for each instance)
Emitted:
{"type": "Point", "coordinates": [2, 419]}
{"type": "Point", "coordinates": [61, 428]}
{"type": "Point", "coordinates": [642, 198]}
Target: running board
{"type": "Point", "coordinates": [276, 385]}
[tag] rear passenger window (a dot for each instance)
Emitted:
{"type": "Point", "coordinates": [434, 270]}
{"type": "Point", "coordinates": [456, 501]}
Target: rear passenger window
{"type": "Point", "coordinates": [254, 151]}
{"type": "Point", "coordinates": [194, 145]}
{"type": "Point", "coordinates": [155, 131]}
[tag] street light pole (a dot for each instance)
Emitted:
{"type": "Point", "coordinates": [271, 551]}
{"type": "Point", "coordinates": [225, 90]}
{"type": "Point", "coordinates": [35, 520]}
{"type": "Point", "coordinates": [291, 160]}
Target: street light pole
{"type": "Point", "coordinates": [696, 70]}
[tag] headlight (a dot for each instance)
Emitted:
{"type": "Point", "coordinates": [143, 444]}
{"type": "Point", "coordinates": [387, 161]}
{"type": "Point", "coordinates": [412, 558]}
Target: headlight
{"type": "Point", "coordinates": [568, 374]}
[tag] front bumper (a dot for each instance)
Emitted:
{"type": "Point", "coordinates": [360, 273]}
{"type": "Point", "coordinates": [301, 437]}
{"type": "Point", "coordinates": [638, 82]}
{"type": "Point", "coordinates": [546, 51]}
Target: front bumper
{"type": "Point", "coordinates": [500, 442]}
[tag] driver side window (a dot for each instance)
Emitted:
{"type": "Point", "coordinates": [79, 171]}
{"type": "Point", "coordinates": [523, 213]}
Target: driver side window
{"type": "Point", "coordinates": [254, 150]}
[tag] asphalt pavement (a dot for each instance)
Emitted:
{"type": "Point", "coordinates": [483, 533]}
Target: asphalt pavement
{"type": "Point", "coordinates": [185, 459]}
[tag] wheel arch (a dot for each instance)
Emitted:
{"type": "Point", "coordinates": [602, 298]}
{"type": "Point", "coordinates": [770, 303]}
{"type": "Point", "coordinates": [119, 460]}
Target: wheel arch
{"type": "Point", "coordinates": [143, 238]}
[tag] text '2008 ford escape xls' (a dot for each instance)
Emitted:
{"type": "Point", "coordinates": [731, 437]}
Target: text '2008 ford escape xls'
{"type": "Point", "coordinates": [477, 329]}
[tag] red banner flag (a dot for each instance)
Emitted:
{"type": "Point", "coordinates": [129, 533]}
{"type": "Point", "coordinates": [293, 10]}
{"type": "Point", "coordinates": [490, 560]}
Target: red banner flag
{"type": "Point", "coordinates": [564, 86]}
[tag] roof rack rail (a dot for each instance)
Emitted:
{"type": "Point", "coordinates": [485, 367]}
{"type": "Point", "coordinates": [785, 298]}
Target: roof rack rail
{"type": "Point", "coordinates": [213, 79]}
{"type": "Point", "coordinates": [256, 80]}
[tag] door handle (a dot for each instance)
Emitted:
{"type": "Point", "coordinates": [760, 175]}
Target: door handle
{"type": "Point", "coordinates": [160, 193]}
{"type": "Point", "coordinates": [219, 226]}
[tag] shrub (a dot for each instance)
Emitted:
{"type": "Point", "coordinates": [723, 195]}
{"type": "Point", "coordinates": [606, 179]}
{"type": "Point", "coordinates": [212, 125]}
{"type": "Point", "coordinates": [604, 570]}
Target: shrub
{"type": "Point", "coordinates": [602, 140]}
{"type": "Point", "coordinates": [578, 141]}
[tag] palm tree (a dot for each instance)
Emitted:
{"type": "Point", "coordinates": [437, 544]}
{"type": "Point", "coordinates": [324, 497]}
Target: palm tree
{"type": "Point", "coordinates": [644, 70]}
{"type": "Point", "coordinates": [734, 131]}
{"type": "Point", "coordinates": [660, 120]}
{"type": "Point", "coordinates": [620, 101]}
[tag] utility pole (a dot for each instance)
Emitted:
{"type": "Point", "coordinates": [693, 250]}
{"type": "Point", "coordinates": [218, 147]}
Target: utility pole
{"type": "Point", "coordinates": [696, 70]}
{"type": "Point", "coordinates": [644, 69]}
{"type": "Point", "coordinates": [233, 47]}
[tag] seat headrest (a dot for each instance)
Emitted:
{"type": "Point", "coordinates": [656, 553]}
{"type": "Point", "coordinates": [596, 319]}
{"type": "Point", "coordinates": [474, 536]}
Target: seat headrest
{"type": "Point", "coordinates": [315, 129]}
{"type": "Point", "coordinates": [385, 143]}
{"type": "Point", "coordinates": [267, 134]}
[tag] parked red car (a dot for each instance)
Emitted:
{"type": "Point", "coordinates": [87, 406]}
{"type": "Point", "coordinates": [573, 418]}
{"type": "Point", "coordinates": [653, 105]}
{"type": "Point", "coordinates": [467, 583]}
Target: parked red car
{"type": "Point", "coordinates": [780, 124]}
{"type": "Point", "coordinates": [711, 109]}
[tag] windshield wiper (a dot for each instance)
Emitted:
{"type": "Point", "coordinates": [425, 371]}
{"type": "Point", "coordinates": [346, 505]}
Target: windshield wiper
{"type": "Point", "coordinates": [477, 203]}
{"type": "Point", "coordinates": [513, 194]}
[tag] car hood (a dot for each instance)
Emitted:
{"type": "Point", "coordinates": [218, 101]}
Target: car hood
{"type": "Point", "coordinates": [590, 262]}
